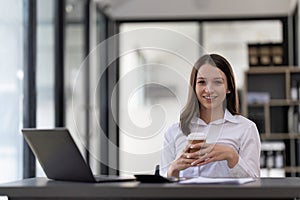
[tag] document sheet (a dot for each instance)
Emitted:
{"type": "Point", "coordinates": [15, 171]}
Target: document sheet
{"type": "Point", "coordinates": [204, 180]}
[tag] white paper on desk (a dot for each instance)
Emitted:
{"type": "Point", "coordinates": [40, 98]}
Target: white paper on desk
{"type": "Point", "coordinates": [204, 180]}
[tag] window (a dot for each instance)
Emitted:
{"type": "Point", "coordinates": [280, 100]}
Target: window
{"type": "Point", "coordinates": [45, 68]}
{"type": "Point", "coordinates": [11, 75]}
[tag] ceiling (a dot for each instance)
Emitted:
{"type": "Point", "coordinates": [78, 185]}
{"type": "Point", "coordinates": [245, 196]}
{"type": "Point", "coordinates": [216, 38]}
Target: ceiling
{"type": "Point", "coordinates": [187, 9]}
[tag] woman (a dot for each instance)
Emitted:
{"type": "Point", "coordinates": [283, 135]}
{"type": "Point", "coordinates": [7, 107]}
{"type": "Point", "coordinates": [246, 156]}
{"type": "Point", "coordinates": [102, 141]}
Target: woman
{"type": "Point", "coordinates": [232, 147]}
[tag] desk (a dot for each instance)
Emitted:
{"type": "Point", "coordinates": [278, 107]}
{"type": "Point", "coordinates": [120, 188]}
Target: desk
{"type": "Point", "coordinates": [43, 188]}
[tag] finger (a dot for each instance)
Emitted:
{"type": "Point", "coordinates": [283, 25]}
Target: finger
{"type": "Point", "coordinates": [188, 161]}
{"type": "Point", "coordinates": [184, 166]}
{"type": "Point", "coordinates": [197, 145]}
{"type": "Point", "coordinates": [209, 157]}
{"type": "Point", "coordinates": [205, 162]}
{"type": "Point", "coordinates": [197, 154]}
{"type": "Point", "coordinates": [209, 147]}
{"type": "Point", "coordinates": [200, 153]}
{"type": "Point", "coordinates": [187, 148]}
{"type": "Point", "coordinates": [189, 156]}
{"type": "Point", "coordinates": [185, 158]}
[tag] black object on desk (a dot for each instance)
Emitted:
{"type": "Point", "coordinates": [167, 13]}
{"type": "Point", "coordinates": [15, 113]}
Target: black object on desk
{"type": "Point", "coordinates": [156, 178]}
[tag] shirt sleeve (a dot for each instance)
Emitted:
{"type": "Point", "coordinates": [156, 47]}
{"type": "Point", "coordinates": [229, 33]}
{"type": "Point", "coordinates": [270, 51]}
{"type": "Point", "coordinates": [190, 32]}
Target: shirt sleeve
{"type": "Point", "coordinates": [168, 152]}
{"type": "Point", "coordinates": [249, 155]}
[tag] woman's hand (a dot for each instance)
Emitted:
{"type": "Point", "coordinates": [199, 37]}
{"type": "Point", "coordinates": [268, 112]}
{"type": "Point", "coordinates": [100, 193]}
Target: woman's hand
{"type": "Point", "coordinates": [182, 162]}
{"type": "Point", "coordinates": [214, 152]}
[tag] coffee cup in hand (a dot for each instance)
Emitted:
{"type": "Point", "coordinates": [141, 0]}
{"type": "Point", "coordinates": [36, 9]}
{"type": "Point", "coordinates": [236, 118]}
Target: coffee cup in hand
{"type": "Point", "coordinates": [194, 138]}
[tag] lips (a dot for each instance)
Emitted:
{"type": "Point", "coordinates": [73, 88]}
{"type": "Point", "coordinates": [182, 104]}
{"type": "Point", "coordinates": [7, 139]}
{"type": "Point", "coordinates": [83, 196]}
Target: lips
{"type": "Point", "coordinates": [209, 97]}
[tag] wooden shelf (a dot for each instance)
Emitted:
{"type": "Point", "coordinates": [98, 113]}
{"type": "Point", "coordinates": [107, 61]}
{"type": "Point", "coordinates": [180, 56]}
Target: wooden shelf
{"type": "Point", "coordinates": [290, 169]}
{"type": "Point", "coordinates": [279, 118]}
{"type": "Point", "coordinates": [273, 70]}
{"type": "Point", "coordinates": [276, 102]}
{"type": "Point", "coordinates": [279, 136]}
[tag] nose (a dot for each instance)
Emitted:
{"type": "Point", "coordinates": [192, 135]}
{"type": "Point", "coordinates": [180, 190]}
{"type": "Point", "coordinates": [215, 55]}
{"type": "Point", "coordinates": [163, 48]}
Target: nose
{"type": "Point", "coordinates": [208, 88]}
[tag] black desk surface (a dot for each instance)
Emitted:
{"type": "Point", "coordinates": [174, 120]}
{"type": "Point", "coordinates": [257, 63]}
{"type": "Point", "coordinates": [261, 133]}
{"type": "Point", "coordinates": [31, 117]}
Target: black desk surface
{"type": "Point", "coordinates": [43, 188]}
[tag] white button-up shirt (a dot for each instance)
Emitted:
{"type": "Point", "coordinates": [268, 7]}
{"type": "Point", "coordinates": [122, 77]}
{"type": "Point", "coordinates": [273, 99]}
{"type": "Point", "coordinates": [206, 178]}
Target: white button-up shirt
{"type": "Point", "coordinates": [234, 130]}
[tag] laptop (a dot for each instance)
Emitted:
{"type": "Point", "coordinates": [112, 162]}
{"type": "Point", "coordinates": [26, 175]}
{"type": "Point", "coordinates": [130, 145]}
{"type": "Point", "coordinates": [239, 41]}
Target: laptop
{"type": "Point", "coordinates": [60, 157]}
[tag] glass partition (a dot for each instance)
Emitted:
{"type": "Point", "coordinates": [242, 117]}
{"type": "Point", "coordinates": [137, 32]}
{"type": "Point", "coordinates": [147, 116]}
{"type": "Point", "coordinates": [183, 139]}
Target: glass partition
{"type": "Point", "coordinates": [154, 78]}
{"type": "Point", "coordinates": [11, 89]}
{"type": "Point", "coordinates": [155, 63]}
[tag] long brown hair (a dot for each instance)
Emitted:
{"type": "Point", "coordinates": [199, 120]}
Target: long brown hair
{"type": "Point", "coordinates": [192, 107]}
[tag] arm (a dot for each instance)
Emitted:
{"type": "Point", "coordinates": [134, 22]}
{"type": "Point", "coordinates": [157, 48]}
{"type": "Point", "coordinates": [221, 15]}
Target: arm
{"type": "Point", "coordinates": [168, 154]}
{"type": "Point", "coordinates": [249, 155]}
{"type": "Point", "coordinates": [245, 163]}
{"type": "Point", "coordinates": [182, 162]}
{"type": "Point", "coordinates": [174, 153]}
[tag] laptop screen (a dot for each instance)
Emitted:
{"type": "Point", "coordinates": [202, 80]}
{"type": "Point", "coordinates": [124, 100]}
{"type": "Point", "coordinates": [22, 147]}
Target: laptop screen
{"type": "Point", "coordinates": [58, 154]}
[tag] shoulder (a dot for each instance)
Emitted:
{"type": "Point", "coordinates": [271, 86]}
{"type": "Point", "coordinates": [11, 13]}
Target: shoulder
{"type": "Point", "coordinates": [244, 120]}
{"type": "Point", "coordinates": [238, 119]}
{"type": "Point", "coordinates": [246, 124]}
{"type": "Point", "coordinates": [173, 130]}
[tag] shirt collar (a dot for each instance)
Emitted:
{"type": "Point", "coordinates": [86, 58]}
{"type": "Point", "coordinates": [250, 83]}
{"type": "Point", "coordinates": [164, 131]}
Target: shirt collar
{"type": "Point", "coordinates": [227, 117]}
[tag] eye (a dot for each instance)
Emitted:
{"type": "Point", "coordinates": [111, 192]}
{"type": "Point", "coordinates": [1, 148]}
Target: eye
{"type": "Point", "coordinates": [201, 82]}
{"type": "Point", "coordinates": [218, 82]}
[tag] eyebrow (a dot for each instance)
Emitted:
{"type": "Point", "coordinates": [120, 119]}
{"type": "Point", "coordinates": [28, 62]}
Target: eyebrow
{"type": "Point", "coordinates": [213, 78]}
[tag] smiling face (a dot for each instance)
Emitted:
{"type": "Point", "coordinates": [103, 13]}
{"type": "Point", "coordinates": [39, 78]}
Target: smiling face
{"type": "Point", "coordinates": [211, 88]}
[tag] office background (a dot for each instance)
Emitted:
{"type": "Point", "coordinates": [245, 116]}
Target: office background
{"type": "Point", "coordinates": [119, 101]}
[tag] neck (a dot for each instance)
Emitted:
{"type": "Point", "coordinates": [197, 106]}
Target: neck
{"type": "Point", "coordinates": [209, 115]}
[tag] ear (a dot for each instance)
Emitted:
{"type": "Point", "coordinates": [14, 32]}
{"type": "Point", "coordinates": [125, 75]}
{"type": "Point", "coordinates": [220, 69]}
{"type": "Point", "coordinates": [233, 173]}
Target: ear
{"type": "Point", "coordinates": [228, 91]}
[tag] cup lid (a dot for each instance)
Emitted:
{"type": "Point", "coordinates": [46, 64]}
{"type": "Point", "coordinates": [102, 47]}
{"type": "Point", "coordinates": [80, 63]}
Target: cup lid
{"type": "Point", "coordinates": [196, 136]}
